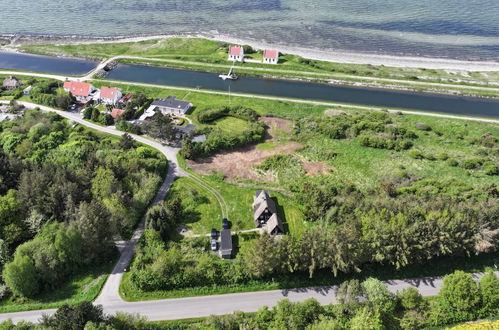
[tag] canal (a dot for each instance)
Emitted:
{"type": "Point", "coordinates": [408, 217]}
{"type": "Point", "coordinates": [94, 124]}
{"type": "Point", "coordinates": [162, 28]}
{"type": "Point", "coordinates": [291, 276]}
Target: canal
{"type": "Point", "coordinates": [448, 104]}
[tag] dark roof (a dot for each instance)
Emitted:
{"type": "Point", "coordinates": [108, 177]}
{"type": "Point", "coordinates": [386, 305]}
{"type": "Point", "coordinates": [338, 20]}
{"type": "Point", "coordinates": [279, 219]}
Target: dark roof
{"type": "Point", "coordinates": [172, 102]}
{"type": "Point", "coordinates": [186, 129]}
{"type": "Point", "coordinates": [225, 241]}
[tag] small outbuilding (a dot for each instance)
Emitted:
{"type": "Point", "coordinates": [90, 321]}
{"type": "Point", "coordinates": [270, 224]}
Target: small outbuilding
{"type": "Point", "coordinates": [236, 53]}
{"type": "Point", "coordinates": [226, 249]}
{"type": "Point", "coordinates": [27, 90]}
{"type": "Point", "coordinates": [270, 56]}
{"type": "Point", "coordinates": [11, 83]}
{"type": "Point", "coordinates": [115, 113]}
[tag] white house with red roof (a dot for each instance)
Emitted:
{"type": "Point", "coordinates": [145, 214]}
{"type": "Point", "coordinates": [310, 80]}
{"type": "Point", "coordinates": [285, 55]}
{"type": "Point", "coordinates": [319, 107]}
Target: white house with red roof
{"type": "Point", "coordinates": [270, 56]}
{"type": "Point", "coordinates": [236, 53]}
{"type": "Point", "coordinates": [110, 95]}
{"type": "Point", "coordinates": [83, 92]}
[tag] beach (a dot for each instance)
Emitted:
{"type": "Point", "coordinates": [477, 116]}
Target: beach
{"type": "Point", "coordinates": [310, 53]}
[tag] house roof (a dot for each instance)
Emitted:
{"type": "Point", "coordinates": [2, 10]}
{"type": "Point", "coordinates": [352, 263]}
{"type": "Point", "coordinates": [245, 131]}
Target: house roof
{"type": "Point", "coordinates": [172, 102]}
{"type": "Point", "coordinates": [225, 241]}
{"type": "Point", "coordinates": [109, 92]}
{"type": "Point", "coordinates": [261, 203]}
{"type": "Point", "coordinates": [270, 53]}
{"type": "Point", "coordinates": [78, 88]}
{"type": "Point", "coordinates": [236, 51]}
{"type": "Point", "coordinates": [116, 112]}
{"type": "Point", "coordinates": [127, 97]}
{"type": "Point", "coordinates": [11, 82]}
{"type": "Point", "coordinates": [272, 224]}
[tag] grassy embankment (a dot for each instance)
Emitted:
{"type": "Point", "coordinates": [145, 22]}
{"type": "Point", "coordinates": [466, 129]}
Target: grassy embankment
{"type": "Point", "coordinates": [84, 286]}
{"type": "Point", "coordinates": [207, 55]}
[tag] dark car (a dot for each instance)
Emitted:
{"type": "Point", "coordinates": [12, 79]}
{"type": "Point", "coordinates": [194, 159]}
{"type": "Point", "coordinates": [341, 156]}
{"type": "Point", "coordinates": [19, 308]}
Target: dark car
{"type": "Point", "coordinates": [225, 223]}
{"type": "Point", "coordinates": [73, 107]}
{"type": "Point", "coordinates": [214, 233]}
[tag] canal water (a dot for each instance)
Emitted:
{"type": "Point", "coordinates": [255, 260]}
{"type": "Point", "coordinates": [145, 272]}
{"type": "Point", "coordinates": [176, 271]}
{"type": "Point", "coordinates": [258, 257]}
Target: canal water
{"type": "Point", "coordinates": [46, 64]}
{"type": "Point", "coordinates": [447, 104]}
{"type": "Point", "coordinates": [313, 91]}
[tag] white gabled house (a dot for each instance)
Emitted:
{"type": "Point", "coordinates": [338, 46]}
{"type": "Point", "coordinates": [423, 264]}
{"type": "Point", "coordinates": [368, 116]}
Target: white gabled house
{"type": "Point", "coordinates": [236, 53]}
{"type": "Point", "coordinates": [110, 95]}
{"type": "Point", "coordinates": [270, 56]}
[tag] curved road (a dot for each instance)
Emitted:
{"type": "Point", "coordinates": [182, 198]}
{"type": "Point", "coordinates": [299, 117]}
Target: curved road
{"type": "Point", "coordinates": [169, 309]}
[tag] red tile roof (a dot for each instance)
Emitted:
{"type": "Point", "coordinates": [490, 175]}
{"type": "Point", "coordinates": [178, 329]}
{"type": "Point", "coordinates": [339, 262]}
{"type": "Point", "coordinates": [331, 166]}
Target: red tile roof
{"type": "Point", "coordinates": [78, 88]}
{"type": "Point", "coordinates": [236, 50]}
{"type": "Point", "coordinates": [109, 92]}
{"type": "Point", "coordinates": [271, 53]}
{"type": "Point", "coordinates": [116, 112]}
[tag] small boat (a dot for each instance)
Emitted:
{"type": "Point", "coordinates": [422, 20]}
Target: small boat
{"type": "Point", "coordinates": [230, 75]}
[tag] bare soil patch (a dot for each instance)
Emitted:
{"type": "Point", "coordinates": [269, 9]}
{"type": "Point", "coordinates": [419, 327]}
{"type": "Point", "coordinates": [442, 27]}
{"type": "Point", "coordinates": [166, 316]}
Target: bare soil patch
{"type": "Point", "coordinates": [240, 163]}
{"type": "Point", "coordinates": [278, 124]}
{"type": "Point", "coordinates": [316, 168]}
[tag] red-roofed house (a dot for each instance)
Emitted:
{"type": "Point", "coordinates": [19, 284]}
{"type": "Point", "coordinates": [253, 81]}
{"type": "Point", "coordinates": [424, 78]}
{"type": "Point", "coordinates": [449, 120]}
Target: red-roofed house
{"type": "Point", "coordinates": [236, 53]}
{"type": "Point", "coordinates": [270, 56]}
{"type": "Point", "coordinates": [110, 95]}
{"type": "Point", "coordinates": [116, 113]}
{"type": "Point", "coordinates": [81, 91]}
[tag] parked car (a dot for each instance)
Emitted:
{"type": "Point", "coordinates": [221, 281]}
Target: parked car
{"type": "Point", "coordinates": [73, 107]}
{"type": "Point", "coordinates": [214, 233]}
{"type": "Point", "coordinates": [225, 223]}
{"type": "Point", "coordinates": [213, 244]}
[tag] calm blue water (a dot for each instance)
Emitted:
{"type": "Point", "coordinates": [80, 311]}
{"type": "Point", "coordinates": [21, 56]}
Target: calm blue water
{"type": "Point", "coordinates": [445, 28]}
{"type": "Point", "coordinates": [312, 91]}
{"type": "Point", "coordinates": [163, 76]}
{"type": "Point", "coordinates": [64, 66]}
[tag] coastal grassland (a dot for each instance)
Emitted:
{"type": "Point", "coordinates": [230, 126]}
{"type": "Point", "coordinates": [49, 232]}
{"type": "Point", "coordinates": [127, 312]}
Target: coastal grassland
{"type": "Point", "coordinates": [159, 48]}
{"type": "Point", "coordinates": [84, 286]}
{"type": "Point", "coordinates": [208, 55]}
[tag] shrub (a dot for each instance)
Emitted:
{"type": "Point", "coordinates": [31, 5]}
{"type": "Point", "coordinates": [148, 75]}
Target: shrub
{"type": "Point", "coordinates": [212, 114]}
{"type": "Point", "coordinates": [423, 127]}
{"type": "Point", "coordinates": [471, 164]}
{"type": "Point", "coordinates": [491, 168]}
{"type": "Point", "coordinates": [416, 154]}
{"type": "Point", "coordinates": [452, 162]}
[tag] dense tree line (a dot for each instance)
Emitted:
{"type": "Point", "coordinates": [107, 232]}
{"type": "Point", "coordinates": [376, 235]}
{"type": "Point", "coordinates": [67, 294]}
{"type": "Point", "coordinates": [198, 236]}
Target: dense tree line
{"type": "Point", "coordinates": [64, 193]}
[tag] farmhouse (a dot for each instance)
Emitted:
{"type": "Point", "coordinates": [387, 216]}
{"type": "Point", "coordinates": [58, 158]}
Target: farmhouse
{"type": "Point", "coordinates": [265, 213]}
{"type": "Point", "coordinates": [270, 56]}
{"type": "Point", "coordinates": [11, 83]}
{"type": "Point", "coordinates": [225, 244]}
{"type": "Point", "coordinates": [168, 106]}
{"type": "Point", "coordinates": [83, 92]}
{"type": "Point", "coordinates": [110, 95]}
{"type": "Point", "coordinates": [236, 53]}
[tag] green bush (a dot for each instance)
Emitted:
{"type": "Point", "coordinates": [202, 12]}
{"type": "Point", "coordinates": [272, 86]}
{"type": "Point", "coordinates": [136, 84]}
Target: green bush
{"type": "Point", "coordinates": [416, 154]}
{"type": "Point", "coordinates": [212, 114]}
{"type": "Point", "coordinates": [473, 163]}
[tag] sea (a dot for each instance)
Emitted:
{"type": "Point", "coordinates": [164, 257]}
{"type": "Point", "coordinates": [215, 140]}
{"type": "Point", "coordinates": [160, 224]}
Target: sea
{"type": "Point", "coordinates": [460, 29]}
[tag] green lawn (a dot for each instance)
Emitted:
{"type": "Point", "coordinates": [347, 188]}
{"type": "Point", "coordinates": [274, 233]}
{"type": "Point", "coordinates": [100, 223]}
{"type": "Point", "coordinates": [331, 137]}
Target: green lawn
{"type": "Point", "coordinates": [232, 125]}
{"type": "Point", "coordinates": [84, 286]}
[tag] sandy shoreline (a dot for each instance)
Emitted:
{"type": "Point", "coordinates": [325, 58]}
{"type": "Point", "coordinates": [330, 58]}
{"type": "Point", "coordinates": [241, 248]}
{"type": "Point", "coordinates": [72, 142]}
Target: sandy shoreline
{"type": "Point", "coordinates": [315, 54]}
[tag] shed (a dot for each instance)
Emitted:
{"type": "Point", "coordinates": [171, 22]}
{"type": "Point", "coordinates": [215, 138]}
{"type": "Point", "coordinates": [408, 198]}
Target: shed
{"type": "Point", "coordinates": [27, 90]}
{"type": "Point", "coordinates": [226, 248]}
